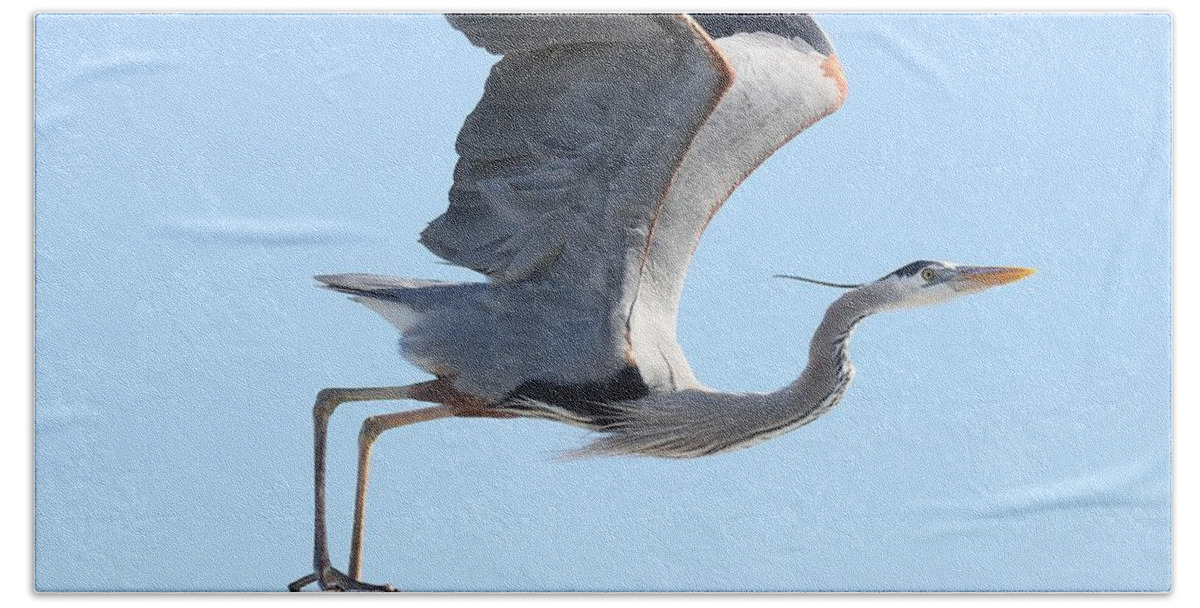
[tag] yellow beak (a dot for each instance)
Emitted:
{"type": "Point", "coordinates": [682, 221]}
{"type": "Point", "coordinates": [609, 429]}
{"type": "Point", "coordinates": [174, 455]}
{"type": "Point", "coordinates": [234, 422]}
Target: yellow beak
{"type": "Point", "coordinates": [991, 276]}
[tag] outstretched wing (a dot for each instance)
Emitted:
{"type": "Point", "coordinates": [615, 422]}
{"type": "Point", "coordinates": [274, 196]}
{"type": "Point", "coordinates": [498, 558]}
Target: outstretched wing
{"type": "Point", "coordinates": [577, 136]}
{"type": "Point", "coordinates": [786, 78]}
{"type": "Point", "coordinates": [602, 146]}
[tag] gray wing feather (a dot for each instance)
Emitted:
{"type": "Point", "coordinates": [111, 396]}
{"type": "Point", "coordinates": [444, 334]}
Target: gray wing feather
{"type": "Point", "coordinates": [586, 174]}
{"type": "Point", "coordinates": [502, 34]}
{"type": "Point", "coordinates": [581, 126]}
{"type": "Point", "coordinates": [558, 141]}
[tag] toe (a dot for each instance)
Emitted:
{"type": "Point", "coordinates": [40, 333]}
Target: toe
{"type": "Point", "coordinates": [302, 582]}
{"type": "Point", "coordinates": [331, 579]}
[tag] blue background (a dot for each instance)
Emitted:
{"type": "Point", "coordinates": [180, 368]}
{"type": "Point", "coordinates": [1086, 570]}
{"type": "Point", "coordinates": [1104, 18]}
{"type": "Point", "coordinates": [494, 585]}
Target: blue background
{"type": "Point", "coordinates": [193, 172]}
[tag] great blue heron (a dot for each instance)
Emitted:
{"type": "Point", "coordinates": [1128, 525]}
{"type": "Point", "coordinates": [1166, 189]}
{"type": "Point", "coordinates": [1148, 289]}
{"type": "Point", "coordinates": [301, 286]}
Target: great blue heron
{"type": "Point", "coordinates": [600, 150]}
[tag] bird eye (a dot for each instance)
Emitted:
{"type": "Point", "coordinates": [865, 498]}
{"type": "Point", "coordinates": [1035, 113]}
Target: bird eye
{"type": "Point", "coordinates": [927, 274]}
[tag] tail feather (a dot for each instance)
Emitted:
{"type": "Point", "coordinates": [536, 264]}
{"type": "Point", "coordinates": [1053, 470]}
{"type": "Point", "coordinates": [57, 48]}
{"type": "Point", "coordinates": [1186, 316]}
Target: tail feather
{"type": "Point", "coordinates": [431, 315]}
{"type": "Point", "coordinates": [372, 284]}
{"type": "Point", "coordinates": [382, 294]}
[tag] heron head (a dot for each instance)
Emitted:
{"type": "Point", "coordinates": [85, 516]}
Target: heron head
{"type": "Point", "coordinates": [926, 282]}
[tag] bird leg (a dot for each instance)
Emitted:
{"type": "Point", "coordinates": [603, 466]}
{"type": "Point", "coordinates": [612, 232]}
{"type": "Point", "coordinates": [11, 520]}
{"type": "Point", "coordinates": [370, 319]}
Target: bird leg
{"type": "Point", "coordinates": [327, 401]}
{"type": "Point", "coordinates": [372, 428]}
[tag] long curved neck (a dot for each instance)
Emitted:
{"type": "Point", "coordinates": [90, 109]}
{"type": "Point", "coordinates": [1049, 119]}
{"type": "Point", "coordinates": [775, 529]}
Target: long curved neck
{"type": "Point", "coordinates": [697, 422]}
{"type": "Point", "coordinates": [829, 370]}
{"type": "Point", "coordinates": [829, 351]}
{"type": "Point", "coordinates": [819, 388]}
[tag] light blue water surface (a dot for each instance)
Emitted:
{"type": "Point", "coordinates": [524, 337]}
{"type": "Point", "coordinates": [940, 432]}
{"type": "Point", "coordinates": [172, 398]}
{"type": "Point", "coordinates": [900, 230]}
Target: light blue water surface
{"type": "Point", "coordinates": [193, 173]}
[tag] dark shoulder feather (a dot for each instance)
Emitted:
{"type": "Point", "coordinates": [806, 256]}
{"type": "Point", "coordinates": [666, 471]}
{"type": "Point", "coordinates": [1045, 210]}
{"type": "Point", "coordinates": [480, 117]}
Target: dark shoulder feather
{"type": "Point", "coordinates": [788, 25]}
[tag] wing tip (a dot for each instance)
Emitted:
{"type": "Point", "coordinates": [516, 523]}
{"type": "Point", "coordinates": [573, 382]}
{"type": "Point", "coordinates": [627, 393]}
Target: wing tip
{"type": "Point", "coordinates": [833, 69]}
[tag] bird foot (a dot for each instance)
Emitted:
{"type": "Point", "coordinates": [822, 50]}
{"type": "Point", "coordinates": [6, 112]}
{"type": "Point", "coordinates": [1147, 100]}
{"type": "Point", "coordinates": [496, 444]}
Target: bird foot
{"type": "Point", "coordinates": [330, 579]}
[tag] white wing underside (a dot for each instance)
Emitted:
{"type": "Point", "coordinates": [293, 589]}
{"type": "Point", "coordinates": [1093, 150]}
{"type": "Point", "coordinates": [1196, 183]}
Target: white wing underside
{"type": "Point", "coordinates": [781, 87]}
{"type": "Point", "coordinates": [587, 173]}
